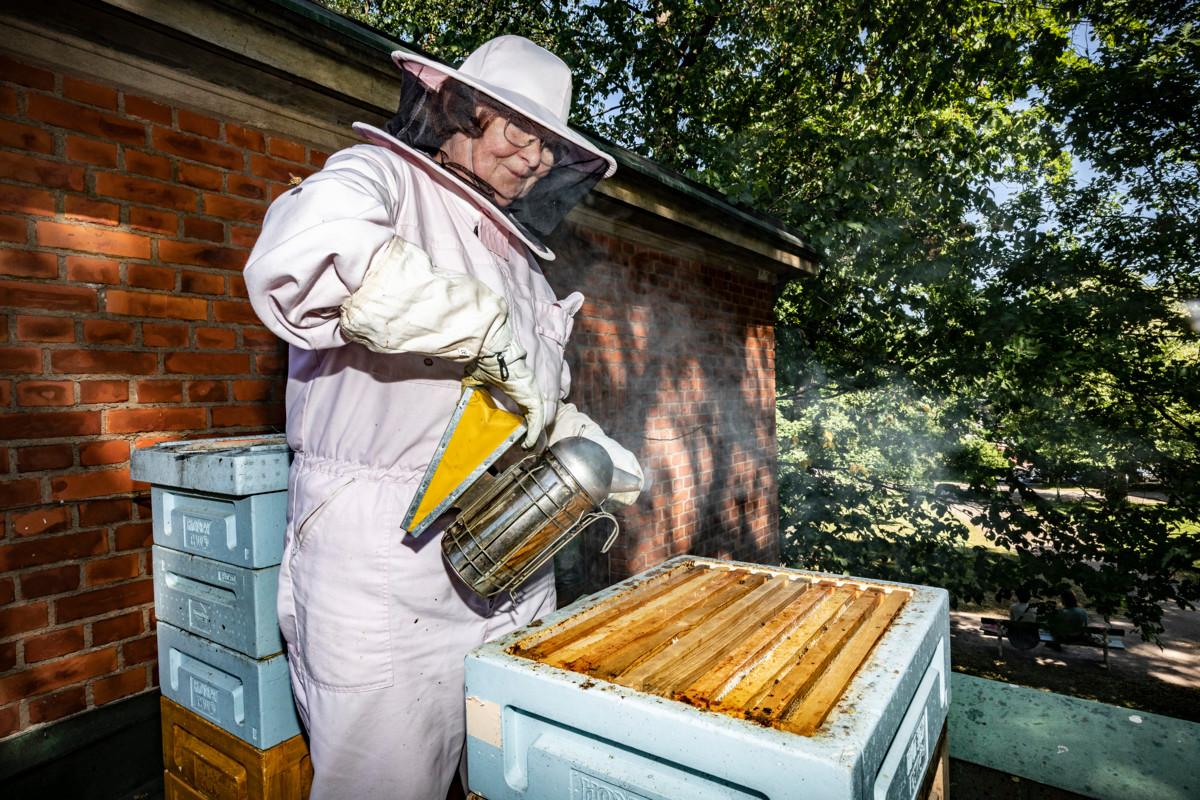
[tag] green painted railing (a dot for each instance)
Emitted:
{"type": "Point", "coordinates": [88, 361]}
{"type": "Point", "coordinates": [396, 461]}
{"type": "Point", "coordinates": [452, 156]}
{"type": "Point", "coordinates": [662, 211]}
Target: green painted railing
{"type": "Point", "coordinates": [1081, 746]}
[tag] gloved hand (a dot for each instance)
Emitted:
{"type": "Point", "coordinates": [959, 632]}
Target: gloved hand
{"type": "Point", "coordinates": [504, 364]}
{"type": "Point", "coordinates": [406, 305]}
{"type": "Point", "coordinates": [570, 421]}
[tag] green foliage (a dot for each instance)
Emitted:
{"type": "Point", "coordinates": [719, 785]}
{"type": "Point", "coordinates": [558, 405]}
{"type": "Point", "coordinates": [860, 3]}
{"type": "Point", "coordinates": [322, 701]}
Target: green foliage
{"type": "Point", "coordinates": [1050, 319]}
{"type": "Point", "coordinates": [1123, 556]}
{"type": "Point", "coordinates": [977, 461]}
{"type": "Point", "coordinates": [887, 432]}
{"type": "Point", "coordinates": [854, 524]}
{"type": "Point", "coordinates": [1006, 198]}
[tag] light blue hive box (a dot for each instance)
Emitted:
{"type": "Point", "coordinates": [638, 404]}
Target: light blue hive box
{"type": "Point", "coordinates": [251, 698]}
{"type": "Point", "coordinates": [232, 606]}
{"type": "Point", "coordinates": [538, 732]}
{"type": "Point", "coordinates": [224, 499]}
{"type": "Point", "coordinates": [220, 512]}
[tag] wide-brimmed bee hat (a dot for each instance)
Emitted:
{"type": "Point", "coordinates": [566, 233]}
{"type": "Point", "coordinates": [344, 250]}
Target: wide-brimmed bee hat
{"type": "Point", "coordinates": [530, 88]}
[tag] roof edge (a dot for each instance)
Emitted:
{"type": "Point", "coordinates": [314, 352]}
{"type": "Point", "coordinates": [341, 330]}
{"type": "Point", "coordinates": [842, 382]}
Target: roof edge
{"type": "Point", "coordinates": [789, 239]}
{"type": "Point", "coordinates": [340, 58]}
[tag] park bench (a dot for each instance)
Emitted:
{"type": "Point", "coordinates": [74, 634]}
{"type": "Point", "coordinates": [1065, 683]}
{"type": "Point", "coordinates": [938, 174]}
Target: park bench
{"type": "Point", "coordinates": [1028, 635]}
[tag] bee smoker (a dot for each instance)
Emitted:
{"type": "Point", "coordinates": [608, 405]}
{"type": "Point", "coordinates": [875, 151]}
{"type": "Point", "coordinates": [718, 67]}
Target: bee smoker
{"type": "Point", "coordinates": [512, 524]}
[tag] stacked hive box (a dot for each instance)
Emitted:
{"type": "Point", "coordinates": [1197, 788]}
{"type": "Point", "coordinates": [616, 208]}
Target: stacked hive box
{"type": "Point", "coordinates": [219, 509]}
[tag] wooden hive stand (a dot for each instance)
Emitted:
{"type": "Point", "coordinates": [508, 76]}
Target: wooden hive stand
{"type": "Point", "coordinates": [204, 762]}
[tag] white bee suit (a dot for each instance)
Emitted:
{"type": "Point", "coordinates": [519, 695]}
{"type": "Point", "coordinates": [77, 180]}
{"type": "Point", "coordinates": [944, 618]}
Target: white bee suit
{"type": "Point", "coordinates": [376, 627]}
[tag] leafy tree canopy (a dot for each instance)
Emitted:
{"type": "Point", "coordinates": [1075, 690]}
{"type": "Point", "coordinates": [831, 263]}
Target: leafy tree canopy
{"type": "Point", "coordinates": [1005, 195]}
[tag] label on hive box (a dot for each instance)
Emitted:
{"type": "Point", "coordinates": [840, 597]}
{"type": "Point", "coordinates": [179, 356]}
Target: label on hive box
{"type": "Point", "coordinates": [589, 787]}
{"type": "Point", "coordinates": [200, 532]}
{"type": "Point", "coordinates": [209, 691]}
{"type": "Point", "coordinates": [199, 619]}
{"type": "Point", "coordinates": [203, 697]}
{"type": "Point", "coordinates": [917, 755]}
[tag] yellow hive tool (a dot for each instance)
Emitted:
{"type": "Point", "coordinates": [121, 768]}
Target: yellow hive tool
{"type": "Point", "coordinates": [478, 434]}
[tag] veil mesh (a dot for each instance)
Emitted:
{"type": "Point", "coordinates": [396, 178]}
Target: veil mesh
{"type": "Point", "coordinates": [427, 117]}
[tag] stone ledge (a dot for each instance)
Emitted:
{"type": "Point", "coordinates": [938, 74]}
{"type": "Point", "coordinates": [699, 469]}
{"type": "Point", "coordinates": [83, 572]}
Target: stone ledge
{"type": "Point", "coordinates": [1088, 748]}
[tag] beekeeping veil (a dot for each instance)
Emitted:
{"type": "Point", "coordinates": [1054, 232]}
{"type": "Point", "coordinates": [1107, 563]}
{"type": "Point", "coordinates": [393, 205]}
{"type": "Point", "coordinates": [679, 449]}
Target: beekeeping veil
{"type": "Point", "coordinates": [513, 78]}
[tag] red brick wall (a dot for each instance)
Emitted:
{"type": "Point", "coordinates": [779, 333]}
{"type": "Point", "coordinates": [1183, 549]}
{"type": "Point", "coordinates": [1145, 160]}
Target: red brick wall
{"type": "Point", "coordinates": [124, 223]}
{"type": "Point", "coordinates": [675, 359]}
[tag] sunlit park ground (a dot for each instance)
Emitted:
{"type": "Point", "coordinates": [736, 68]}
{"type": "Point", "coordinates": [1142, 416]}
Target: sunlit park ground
{"type": "Point", "coordinates": [1161, 679]}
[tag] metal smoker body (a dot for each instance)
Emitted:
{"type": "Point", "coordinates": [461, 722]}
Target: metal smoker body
{"type": "Point", "coordinates": [512, 524]}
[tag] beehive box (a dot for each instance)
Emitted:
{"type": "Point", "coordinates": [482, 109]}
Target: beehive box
{"type": "Point", "coordinates": [247, 531]}
{"type": "Point", "coordinates": [241, 465]}
{"type": "Point", "coordinates": [252, 699]}
{"type": "Point", "coordinates": [708, 679]}
{"type": "Point", "coordinates": [204, 762]}
{"type": "Point", "coordinates": [224, 499]}
{"type": "Point", "coordinates": [232, 606]}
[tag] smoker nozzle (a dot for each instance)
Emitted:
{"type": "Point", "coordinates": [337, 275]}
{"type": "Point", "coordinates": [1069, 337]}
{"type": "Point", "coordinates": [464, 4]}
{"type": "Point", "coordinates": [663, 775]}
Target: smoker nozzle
{"type": "Point", "coordinates": [623, 481]}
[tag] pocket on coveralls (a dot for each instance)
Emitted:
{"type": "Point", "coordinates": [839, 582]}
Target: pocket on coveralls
{"type": "Point", "coordinates": [341, 584]}
{"type": "Point", "coordinates": [553, 327]}
{"type": "Point", "coordinates": [554, 322]}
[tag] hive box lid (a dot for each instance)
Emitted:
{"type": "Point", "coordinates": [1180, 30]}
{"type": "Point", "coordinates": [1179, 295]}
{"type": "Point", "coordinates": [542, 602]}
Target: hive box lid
{"type": "Point", "coordinates": [235, 466]}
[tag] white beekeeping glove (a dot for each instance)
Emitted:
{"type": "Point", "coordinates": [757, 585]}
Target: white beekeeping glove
{"type": "Point", "coordinates": [504, 364]}
{"type": "Point", "coordinates": [406, 305]}
{"type": "Point", "coordinates": [570, 421]}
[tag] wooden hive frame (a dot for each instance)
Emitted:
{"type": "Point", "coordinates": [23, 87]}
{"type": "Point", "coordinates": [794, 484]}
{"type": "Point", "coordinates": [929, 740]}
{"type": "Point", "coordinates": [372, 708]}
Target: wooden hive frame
{"type": "Point", "coordinates": [772, 646]}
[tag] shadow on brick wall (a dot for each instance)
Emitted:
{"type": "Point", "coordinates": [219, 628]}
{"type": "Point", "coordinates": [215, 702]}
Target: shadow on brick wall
{"type": "Point", "coordinates": [675, 359]}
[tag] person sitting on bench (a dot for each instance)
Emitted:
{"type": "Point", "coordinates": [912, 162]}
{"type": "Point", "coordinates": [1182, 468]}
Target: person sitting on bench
{"type": "Point", "coordinates": [1023, 610]}
{"type": "Point", "coordinates": [1069, 622]}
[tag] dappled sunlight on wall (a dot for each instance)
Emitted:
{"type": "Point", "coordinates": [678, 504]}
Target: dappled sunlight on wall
{"type": "Point", "coordinates": [675, 359]}
{"type": "Point", "coordinates": [124, 224]}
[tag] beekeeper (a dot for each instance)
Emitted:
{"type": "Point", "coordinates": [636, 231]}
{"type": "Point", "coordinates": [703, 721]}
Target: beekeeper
{"type": "Point", "coordinates": [401, 266]}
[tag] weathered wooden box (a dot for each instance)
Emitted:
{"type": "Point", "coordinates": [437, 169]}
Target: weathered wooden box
{"type": "Point", "coordinates": [204, 762]}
